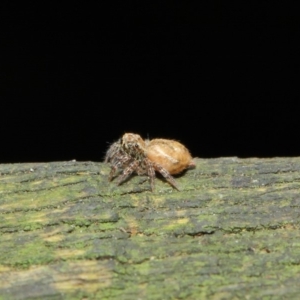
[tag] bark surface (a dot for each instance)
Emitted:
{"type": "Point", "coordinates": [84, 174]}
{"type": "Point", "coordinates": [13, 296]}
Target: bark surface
{"type": "Point", "coordinates": [232, 232]}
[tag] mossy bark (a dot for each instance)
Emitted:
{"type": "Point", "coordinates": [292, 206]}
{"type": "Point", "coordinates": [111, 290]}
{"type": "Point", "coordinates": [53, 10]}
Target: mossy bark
{"type": "Point", "coordinates": [232, 232]}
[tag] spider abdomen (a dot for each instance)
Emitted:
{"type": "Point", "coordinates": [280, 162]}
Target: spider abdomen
{"type": "Point", "coordinates": [171, 155]}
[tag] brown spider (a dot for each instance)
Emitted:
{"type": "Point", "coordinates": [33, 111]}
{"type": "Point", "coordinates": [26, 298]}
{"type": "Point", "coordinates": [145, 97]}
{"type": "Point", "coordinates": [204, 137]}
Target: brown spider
{"type": "Point", "coordinates": [132, 154]}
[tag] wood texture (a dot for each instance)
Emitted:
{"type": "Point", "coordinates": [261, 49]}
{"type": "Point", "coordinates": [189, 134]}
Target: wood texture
{"type": "Point", "coordinates": [231, 233]}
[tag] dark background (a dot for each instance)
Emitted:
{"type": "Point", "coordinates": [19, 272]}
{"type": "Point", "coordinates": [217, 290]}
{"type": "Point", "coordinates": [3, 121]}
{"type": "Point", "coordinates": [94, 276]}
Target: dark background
{"type": "Point", "coordinates": [222, 78]}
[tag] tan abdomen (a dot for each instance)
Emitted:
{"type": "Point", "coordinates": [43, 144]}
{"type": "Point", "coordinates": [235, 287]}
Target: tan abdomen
{"type": "Point", "coordinates": [171, 155]}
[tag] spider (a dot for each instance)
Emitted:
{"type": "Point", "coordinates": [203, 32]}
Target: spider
{"type": "Point", "coordinates": [132, 154]}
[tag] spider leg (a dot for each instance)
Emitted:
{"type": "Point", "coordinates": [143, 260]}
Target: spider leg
{"type": "Point", "coordinates": [117, 163]}
{"type": "Point", "coordinates": [128, 170]}
{"type": "Point", "coordinates": [112, 151]}
{"type": "Point", "coordinates": [191, 165]}
{"type": "Point", "coordinates": [151, 173]}
{"type": "Point", "coordinates": [166, 175]}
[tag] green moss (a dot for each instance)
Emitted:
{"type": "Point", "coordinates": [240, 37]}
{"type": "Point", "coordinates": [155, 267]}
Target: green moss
{"type": "Point", "coordinates": [231, 233]}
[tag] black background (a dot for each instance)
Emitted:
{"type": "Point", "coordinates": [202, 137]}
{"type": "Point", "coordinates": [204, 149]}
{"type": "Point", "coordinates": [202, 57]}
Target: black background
{"type": "Point", "coordinates": [222, 78]}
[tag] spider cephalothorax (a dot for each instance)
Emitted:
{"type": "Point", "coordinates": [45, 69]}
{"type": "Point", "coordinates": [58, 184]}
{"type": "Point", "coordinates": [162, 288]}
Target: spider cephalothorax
{"type": "Point", "coordinates": [132, 154]}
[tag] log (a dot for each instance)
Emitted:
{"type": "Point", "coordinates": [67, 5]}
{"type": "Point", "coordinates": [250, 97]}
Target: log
{"type": "Point", "coordinates": [232, 232]}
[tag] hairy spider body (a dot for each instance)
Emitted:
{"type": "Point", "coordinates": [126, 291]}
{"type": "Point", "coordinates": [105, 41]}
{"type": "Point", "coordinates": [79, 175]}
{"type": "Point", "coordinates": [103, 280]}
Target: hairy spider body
{"type": "Point", "coordinates": [132, 154]}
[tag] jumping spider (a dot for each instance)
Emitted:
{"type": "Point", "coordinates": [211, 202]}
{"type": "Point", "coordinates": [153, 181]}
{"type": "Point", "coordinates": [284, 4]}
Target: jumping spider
{"type": "Point", "coordinates": [132, 154]}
